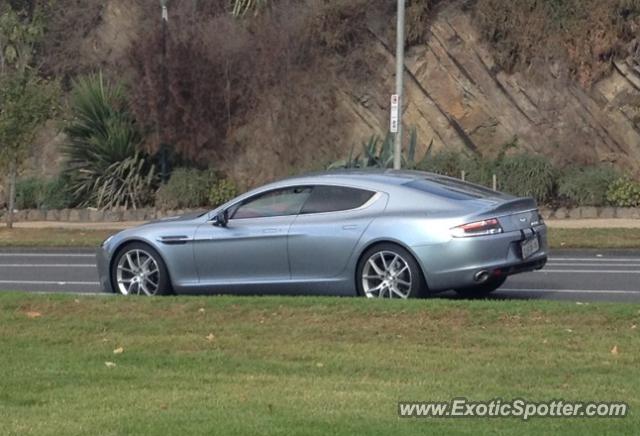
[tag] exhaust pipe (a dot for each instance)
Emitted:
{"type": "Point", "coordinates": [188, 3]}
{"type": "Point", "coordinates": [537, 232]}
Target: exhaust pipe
{"type": "Point", "coordinates": [482, 276]}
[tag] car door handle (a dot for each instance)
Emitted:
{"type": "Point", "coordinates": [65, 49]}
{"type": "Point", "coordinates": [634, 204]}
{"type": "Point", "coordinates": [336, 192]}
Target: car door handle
{"type": "Point", "coordinates": [270, 231]}
{"type": "Point", "coordinates": [350, 227]}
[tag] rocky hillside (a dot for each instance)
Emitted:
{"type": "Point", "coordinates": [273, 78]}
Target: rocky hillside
{"type": "Point", "coordinates": [458, 95]}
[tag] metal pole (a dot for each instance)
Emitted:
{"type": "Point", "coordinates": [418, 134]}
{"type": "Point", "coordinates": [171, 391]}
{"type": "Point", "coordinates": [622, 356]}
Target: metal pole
{"type": "Point", "coordinates": [397, 155]}
{"type": "Point", "coordinates": [164, 173]}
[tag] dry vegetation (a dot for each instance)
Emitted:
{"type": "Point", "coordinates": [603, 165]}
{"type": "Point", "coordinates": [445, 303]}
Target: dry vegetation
{"type": "Point", "coordinates": [575, 38]}
{"type": "Point", "coordinates": [256, 97]}
{"type": "Point", "coordinates": [240, 93]}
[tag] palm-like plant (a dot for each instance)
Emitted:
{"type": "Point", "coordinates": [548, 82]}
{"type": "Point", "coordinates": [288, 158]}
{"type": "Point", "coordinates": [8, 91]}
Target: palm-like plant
{"type": "Point", "coordinates": [104, 165]}
{"type": "Point", "coordinates": [240, 8]}
{"type": "Point", "coordinates": [378, 153]}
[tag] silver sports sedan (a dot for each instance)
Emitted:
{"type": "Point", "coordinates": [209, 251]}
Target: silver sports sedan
{"type": "Point", "coordinates": [382, 234]}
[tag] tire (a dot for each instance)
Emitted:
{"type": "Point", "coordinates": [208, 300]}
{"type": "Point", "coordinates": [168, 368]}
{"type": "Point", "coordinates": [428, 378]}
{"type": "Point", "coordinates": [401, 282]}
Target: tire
{"type": "Point", "coordinates": [138, 269]}
{"type": "Point", "coordinates": [483, 290]}
{"type": "Point", "coordinates": [389, 271]}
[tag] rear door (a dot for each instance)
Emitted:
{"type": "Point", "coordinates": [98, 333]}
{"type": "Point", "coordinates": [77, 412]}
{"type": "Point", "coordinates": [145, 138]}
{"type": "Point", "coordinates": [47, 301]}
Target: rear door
{"type": "Point", "coordinates": [323, 236]}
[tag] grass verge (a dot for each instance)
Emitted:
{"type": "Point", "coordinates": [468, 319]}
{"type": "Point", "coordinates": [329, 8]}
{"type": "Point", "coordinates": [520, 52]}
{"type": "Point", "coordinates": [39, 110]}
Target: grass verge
{"type": "Point", "coordinates": [595, 238]}
{"type": "Point", "coordinates": [45, 237]}
{"type": "Point", "coordinates": [558, 238]}
{"type": "Point", "coordinates": [312, 366]}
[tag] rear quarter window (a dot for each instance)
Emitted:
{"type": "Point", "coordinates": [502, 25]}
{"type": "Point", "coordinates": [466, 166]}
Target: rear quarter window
{"type": "Point", "coordinates": [452, 189]}
{"type": "Point", "coordinates": [335, 198]}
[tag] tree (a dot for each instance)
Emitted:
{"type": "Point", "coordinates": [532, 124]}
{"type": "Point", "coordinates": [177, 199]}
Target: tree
{"type": "Point", "coordinates": [26, 100]}
{"type": "Point", "coordinates": [25, 103]}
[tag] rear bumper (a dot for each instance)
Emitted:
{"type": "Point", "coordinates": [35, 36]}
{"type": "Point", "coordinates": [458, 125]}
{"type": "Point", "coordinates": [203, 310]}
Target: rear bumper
{"type": "Point", "coordinates": [456, 263]}
{"type": "Point", "coordinates": [527, 266]}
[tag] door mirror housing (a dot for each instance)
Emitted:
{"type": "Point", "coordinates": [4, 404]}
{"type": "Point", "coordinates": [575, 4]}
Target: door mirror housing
{"type": "Point", "coordinates": [221, 219]}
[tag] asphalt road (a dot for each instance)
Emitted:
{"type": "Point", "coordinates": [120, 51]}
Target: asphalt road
{"type": "Point", "coordinates": [579, 275]}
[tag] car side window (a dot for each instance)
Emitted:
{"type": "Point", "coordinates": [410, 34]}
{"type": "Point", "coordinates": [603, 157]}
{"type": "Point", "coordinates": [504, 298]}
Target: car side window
{"type": "Point", "coordinates": [280, 202]}
{"type": "Point", "coordinates": [335, 199]}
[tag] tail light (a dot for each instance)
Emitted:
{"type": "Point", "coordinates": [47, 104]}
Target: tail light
{"type": "Point", "coordinates": [540, 219]}
{"type": "Point", "coordinates": [479, 228]}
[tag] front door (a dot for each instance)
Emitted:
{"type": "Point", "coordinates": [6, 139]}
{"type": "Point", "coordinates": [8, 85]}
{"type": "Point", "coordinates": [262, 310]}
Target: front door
{"type": "Point", "coordinates": [252, 248]}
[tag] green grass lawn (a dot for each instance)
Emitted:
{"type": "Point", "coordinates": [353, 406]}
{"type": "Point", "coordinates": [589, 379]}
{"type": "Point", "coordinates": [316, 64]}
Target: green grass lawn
{"type": "Point", "coordinates": [558, 238]}
{"type": "Point", "coordinates": [309, 366]}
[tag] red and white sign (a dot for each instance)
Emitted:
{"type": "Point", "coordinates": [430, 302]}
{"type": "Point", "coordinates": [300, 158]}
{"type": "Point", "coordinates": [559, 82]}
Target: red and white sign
{"type": "Point", "coordinates": [395, 113]}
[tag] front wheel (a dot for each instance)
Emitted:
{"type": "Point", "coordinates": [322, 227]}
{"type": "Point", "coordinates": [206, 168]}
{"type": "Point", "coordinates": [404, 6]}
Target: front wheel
{"type": "Point", "coordinates": [483, 290]}
{"type": "Point", "coordinates": [139, 270]}
{"type": "Point", "coordinates": [389, 271]}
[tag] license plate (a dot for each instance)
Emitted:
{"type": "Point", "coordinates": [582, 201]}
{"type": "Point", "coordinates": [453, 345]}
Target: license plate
{"type": "Point", "coordinates": [530, 247]}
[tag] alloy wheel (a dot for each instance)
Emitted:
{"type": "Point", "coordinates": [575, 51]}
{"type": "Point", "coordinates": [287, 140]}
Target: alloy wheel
{"type": "Point", "coordinates": [137, 273]}
{"type": "Point", "coordinates": [386, 275]}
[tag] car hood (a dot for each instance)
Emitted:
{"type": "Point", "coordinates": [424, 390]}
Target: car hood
{"type": "Point", "coordinates": [177, 218]}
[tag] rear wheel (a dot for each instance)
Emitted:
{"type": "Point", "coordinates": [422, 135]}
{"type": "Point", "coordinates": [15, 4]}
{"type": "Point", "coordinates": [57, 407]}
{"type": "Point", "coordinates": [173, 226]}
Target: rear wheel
{"type": "Point", "coordinates": [483, 290]}
{"type": "Point", "coordinates": [139, 270]}
{"type": "Point", "coordinates": [389, 271]}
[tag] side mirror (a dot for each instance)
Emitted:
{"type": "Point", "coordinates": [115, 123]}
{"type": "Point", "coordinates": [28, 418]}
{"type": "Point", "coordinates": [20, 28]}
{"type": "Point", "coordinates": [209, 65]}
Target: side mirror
{"type": "Point", "coordinates": [222, 219]}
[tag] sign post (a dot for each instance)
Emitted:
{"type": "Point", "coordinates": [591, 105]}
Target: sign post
{"type": "Point", "coordinates": [397, 154]}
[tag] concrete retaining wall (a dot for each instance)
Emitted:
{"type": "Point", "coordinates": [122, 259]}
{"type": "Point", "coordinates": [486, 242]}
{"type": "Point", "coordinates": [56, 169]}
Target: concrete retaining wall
{"type": "Point", "coordinates": [588, 212]}
{"type": "Point", "coordinates": [99, 216]}
{"type": "Point", "coordinates": [94, 216]}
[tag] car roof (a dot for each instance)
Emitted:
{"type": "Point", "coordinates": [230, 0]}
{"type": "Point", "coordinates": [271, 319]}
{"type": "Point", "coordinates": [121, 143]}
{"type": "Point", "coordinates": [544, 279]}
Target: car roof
{"type": "Point", "coordinates": [421, 182]}
{"type": "Point", "coordinates": [361, 177]}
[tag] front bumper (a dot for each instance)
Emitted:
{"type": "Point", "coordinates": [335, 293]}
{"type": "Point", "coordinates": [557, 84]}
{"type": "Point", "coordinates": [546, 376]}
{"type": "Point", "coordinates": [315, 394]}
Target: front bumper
{"type": "Point", "coordinates": [104, 276]}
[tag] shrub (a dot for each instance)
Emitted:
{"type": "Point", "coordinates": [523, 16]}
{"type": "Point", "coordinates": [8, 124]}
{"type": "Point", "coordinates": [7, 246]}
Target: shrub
{"type": "Point", "coordinates": [527, 175]}
{"type": "Point", "coordinates": [624, 192]}
{"type": "Point", "coordinates": [448, 163]}
{"type": "Point", "coordinates": [57, 195]}
{"type": "Point", "coordinates": [586, 186]}
{"type": "Point", "coordinates": [223, 191]}
{"type": "Point", "coordinates": [480, 170]}
{"type": "Point", "coordinates": [104, 166]}
{"type": "Point", "coordinates": [28, 193]}
{"type": "Point", "coordinates": [187, 188]}
{"type": "Point", "coordinates": [37, 193]}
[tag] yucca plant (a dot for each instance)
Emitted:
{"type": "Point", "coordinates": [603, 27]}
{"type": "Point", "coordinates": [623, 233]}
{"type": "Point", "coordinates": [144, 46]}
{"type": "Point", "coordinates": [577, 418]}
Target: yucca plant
{"type": "Point", "coordinates": [240, 8]}
{"type": "Point", "coordinates": [104, 165]}
{"type": "Point", "coordinates": [378, 153]}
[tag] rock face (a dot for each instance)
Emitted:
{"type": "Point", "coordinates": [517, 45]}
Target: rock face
{"type": "Point", "coordinates": [457, 96]}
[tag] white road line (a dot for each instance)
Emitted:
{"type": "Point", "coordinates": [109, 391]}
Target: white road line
{"type": "Point", "coordinates": [571, 291]}
{"type": "Point", "coordinates": [47, 255]}
{"type": "Point", "coordinates": [47, 265]}
{"type": "Point", "coordinates": [82, 294]}
{"type": "Point", "coordinates": [594, 259]}
{"type": "Point", "coordinates": [588, 271]}
{"type": "Point", "coordinates": [63, 283]}
{"type": "Point", "coordinates": [628, 265]}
